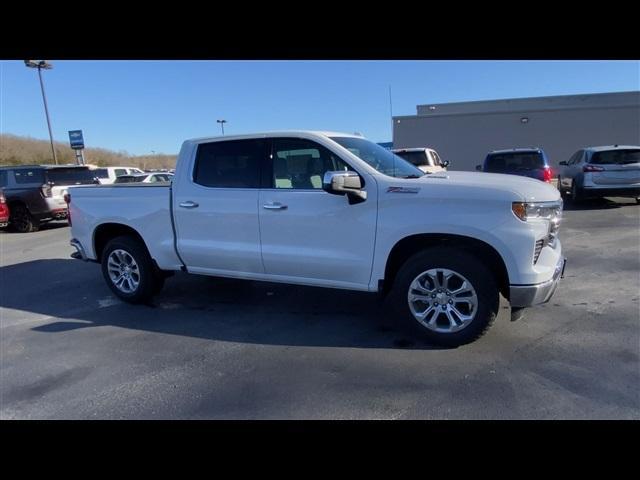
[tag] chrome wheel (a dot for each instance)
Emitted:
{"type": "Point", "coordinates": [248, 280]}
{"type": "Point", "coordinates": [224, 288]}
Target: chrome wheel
{"type": "Point", "coordinates": [442, 300]}
{"type": "Point", "coordinates": [123, 271]}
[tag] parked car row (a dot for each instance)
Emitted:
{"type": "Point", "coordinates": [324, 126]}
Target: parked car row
{"type": "Point", "coordinates": [34, 194]}
{"type": "Point", "coordinates": [591, 172]}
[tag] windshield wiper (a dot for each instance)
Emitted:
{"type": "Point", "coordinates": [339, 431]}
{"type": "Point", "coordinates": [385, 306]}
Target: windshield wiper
{"type": "Point", "coordinates": [413, 175]}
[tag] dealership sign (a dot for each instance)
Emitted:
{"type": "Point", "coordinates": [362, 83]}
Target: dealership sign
{"type": "Point", "coordinates": [75, 139]}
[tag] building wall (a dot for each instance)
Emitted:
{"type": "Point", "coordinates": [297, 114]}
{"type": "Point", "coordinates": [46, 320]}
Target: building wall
{"type": "Point", "coordinates": [465, 138]}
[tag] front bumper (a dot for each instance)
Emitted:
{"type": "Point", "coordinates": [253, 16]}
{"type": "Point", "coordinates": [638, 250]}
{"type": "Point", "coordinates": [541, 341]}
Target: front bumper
{"type": "Point", "coordinates": [529, 295]}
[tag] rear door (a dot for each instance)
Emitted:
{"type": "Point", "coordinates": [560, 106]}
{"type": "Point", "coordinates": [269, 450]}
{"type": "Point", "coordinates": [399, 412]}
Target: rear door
{"type": "Point", "coordinates": [216, 208]}
{"type": "Point", "coordinates": [620, 167]}
{"type": "Point", "coordinates": [306, 232]}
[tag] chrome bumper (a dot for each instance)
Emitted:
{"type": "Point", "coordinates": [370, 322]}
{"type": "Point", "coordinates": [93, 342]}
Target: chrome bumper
{"type": "Point", "coordinates": [79, 253]}
{"type": "Point", "coordinates": [529, 295]}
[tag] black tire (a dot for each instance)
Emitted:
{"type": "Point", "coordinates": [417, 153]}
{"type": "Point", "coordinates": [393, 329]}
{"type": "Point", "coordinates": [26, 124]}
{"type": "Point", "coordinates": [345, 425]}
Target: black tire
{"type": "Point", "coordinates": [150, 282]}
{"type": "Point", "coordinates": [576, 193]}
{"type": "Point", "coordinates": [21, 219]}
{"type": "Point", "coordinates": [461, 262]}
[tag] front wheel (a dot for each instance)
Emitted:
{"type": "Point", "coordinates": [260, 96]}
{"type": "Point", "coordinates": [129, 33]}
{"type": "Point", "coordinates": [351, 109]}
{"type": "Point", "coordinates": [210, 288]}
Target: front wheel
{"type": "Point", "coordinates": [129, 271]}
{"type": "Point", "coordinates": [576, 192]}
{"type": "Point", "coordinates": [446, 295]}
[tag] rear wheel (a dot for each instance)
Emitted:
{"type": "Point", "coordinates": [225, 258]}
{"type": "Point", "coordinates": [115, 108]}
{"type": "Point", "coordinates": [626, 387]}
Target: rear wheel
{"type": "Point", "coordinates": [129, 270]}
{"type": "Point", "coordinates": [446, 295]}
{"type": "Point", "coordinates": [22, 220]}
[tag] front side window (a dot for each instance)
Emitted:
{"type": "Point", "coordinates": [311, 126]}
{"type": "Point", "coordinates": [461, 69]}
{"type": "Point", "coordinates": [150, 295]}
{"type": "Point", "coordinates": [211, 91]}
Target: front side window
{"type": "Point", "coordinates": [232, 164]}
{"type": "Point", "coordinates": [3, 178]}
{"type": "Point", "coordinates": [301, 164]}
{"type": "Point", "coordinates": [383, 160]}
{"type": "Point", "coordinates": [417, 158]}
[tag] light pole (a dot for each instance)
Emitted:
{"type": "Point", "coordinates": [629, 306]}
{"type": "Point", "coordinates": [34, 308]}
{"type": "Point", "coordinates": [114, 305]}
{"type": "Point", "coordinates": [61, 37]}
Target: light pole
{"type": "Point", "coordinates": [222, 122]}
{"type": "Point", "coordinates": [40, 64]}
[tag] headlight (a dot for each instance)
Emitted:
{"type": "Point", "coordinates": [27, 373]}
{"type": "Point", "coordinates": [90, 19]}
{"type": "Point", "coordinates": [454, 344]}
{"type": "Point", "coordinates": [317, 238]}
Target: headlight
{"type": "Point", "coordinates": [526, 212]}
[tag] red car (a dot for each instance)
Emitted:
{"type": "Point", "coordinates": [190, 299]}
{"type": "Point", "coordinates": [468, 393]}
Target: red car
{"type": "Point", "coordinates": [4, 210]}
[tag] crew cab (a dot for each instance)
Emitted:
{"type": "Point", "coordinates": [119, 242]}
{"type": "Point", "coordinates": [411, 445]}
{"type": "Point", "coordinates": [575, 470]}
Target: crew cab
{"type": "Point", "coordinates": [331, 210]}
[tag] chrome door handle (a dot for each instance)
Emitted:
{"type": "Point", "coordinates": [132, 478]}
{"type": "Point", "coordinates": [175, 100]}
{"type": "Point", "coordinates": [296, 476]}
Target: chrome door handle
{"type": "Point", "coordinates": [188, 204]}
{"type": "Point", "coordinates": [274, 206]}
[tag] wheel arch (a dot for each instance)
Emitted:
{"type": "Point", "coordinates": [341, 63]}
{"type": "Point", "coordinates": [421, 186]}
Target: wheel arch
{"type": "Point", "coordinates": [105, 232]}
{"type": "Point", "coordinates": [412, 244]}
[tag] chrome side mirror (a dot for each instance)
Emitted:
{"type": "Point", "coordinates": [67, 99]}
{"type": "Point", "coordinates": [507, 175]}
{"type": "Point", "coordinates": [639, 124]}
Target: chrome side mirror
{"type": "Point", "coordinates": [344, 183]}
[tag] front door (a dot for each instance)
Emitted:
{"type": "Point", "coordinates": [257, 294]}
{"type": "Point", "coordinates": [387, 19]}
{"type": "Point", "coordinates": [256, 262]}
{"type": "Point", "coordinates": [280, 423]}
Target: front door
{"type": "Point", "coordinates": [308, 233]}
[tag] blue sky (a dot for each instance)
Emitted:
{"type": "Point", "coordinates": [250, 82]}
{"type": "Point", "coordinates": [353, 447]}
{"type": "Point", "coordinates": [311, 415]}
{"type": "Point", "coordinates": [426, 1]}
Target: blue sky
{"type": "Point", "coordinates": [145, 106]}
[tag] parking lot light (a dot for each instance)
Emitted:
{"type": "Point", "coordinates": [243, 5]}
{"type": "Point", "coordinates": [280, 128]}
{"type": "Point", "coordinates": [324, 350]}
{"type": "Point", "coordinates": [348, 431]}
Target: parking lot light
{"type": "Point", "coordinates": [43, 64]}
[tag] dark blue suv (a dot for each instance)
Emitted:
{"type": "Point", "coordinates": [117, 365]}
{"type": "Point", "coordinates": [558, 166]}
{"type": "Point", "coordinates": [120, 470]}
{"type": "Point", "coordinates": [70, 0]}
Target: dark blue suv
{"type": "Point", "coordinates": [527, 162]}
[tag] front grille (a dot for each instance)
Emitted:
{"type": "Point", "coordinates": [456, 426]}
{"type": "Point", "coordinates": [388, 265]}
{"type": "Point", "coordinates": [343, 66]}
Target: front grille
{"type": "Point", "coordinates": [536, 253]}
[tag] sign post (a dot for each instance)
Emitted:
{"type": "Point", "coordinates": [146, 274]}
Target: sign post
{"type": "Point", "coordinates": [76, 141]}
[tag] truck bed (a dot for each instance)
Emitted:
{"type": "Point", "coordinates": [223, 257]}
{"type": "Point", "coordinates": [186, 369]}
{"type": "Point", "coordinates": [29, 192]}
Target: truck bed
{"type": "Point", "coordinates": [144, 207]}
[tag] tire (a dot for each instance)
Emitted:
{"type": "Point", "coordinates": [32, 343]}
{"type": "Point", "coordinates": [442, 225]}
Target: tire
{"type": "Point", "coordinates": [462, 266]}
{"type": "Point", "coordinates": [576, 193]}
{"type": "Point", "coordinates": [141, 279]}
{"type": "Point", "coordinates": [22, 221]}
{"type": "Point", "coordinates": [563, 191]}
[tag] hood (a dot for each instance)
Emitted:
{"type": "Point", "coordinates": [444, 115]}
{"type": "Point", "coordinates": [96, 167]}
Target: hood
{"type": "Point", "coordinates": [515, 187]}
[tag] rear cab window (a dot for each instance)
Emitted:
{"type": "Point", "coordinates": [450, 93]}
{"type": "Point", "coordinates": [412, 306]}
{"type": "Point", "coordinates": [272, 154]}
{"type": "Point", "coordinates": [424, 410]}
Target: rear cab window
{"type": "Point", "coordinates": [616, 157]}
{"type": "Point", "coordinates": [70, 176]}
{"type": "Point", "coordinates": [514, 161]}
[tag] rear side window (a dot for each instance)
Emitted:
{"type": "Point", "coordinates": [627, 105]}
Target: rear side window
{"type": "Point", "coordinates": [70, 176]}
{"type": "Point", "coordinates": [616, 157]}
{"type": "Point", "coordinates": [29, 175]}
{"type": "Point", "coordinates": [3, 178]}
{"type": "Point", "coordinates": [509, 162]}
{"type": "Point", "coordinates": [232, 164]}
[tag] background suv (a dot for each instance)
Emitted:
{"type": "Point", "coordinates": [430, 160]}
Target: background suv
{"type": "Point", "coordinates": [526, 162]}
{"type": "Point", "coordinates": [35, 193]}
{"type": "Point", "coordinates": [609, 171]}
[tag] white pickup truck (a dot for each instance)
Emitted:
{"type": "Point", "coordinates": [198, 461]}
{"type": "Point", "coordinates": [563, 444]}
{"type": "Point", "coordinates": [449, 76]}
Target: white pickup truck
{"type": "Point", "coordinates": [331, 210]}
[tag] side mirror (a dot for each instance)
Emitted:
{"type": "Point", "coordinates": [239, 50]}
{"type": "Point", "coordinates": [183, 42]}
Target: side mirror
{"type": "Point", "coordinates": [446, 163]}
{"type": "Point", "coordinates": [563, 163]}
{"type": "Point", "coordinates": [479, 168]}
{"type": "Point", "coordinates": [344, 183]}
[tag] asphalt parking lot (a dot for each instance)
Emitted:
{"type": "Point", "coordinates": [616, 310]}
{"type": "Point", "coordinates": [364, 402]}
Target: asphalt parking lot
{"type": "Point", "coordinates": [215, 348]}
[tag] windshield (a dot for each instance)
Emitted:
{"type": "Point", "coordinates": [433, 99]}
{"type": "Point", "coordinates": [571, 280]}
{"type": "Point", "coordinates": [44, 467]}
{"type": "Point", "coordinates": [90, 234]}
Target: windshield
{"type": "Point", "coordinates": [379, 157]}
{"type": "Point", "coordinates": [509, 162]}
{"type": "Point", "coordinates": [619, 157]}
{"type": "Point", "coordinates": [70, 176]}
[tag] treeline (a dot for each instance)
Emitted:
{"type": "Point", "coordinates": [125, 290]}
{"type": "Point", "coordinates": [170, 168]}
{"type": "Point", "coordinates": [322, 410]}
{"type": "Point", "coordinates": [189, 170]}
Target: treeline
{"type": "Point", "coordinates": [17, 150]}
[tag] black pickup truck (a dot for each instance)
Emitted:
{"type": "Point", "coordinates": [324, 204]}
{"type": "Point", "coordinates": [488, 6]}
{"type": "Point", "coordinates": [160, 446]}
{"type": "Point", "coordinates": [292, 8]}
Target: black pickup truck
{"type": "Point", "coordinates": [35, 193]}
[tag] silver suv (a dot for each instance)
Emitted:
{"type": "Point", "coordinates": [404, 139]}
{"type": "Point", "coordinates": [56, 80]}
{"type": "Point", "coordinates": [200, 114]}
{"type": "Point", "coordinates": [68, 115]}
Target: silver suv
{"type": "Point", "coordinates": [609, 171]}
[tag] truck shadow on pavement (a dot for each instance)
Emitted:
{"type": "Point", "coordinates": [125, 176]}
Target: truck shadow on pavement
{"type": "Point", "coordinates": [598, 204]}
{"type": "Point", "coordinates": [74, 295]}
